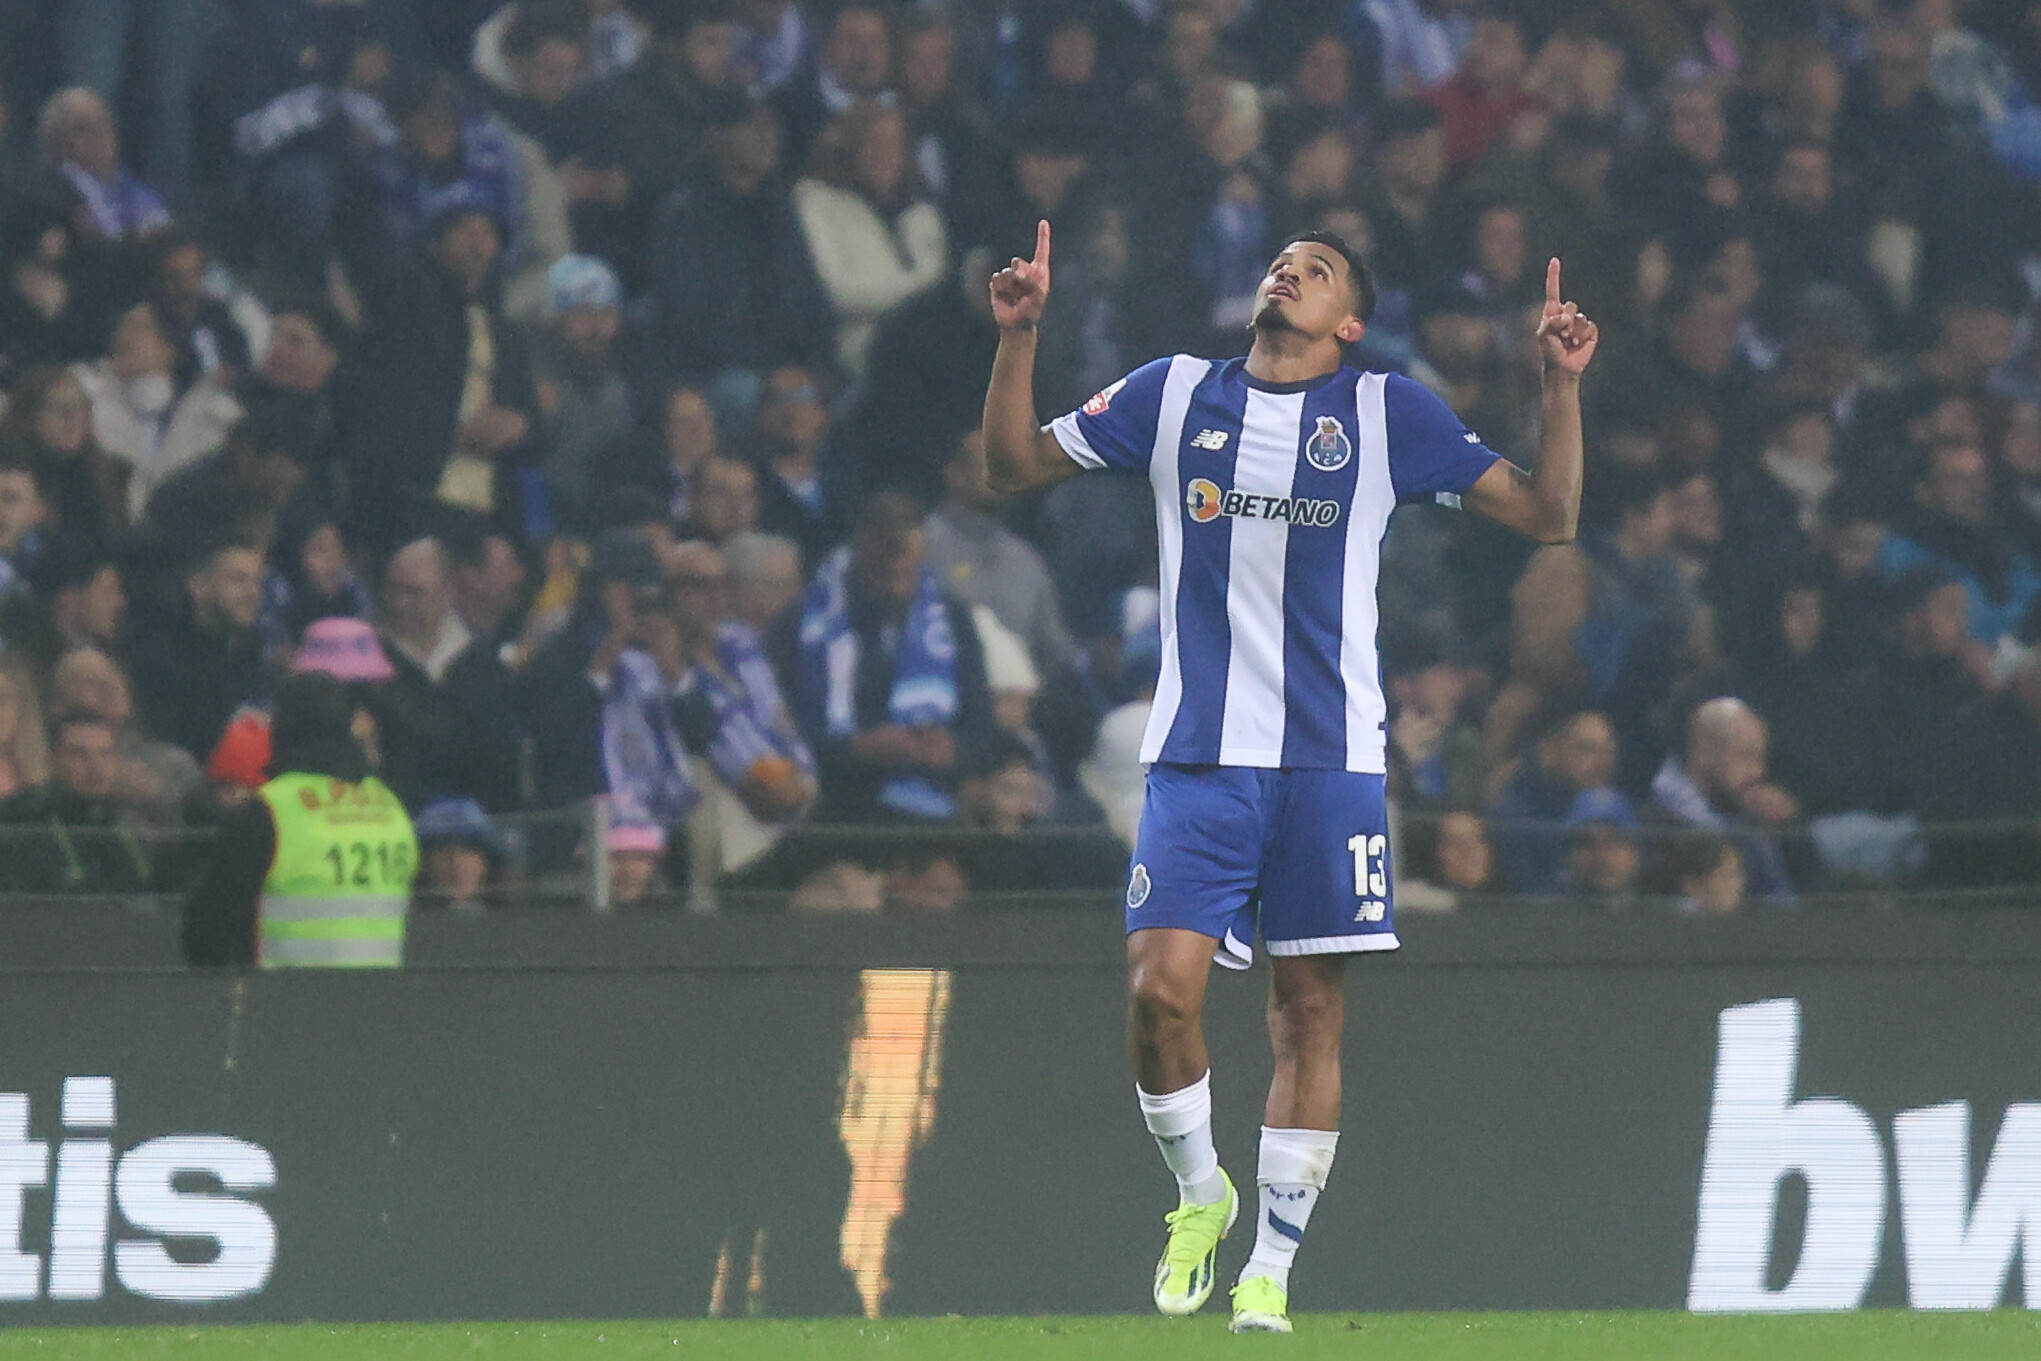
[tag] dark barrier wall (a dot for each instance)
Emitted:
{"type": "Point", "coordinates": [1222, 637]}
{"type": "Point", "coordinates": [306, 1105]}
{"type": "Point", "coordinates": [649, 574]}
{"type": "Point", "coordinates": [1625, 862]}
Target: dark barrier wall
{"type": "Point", "coordinates": [667, 1114]}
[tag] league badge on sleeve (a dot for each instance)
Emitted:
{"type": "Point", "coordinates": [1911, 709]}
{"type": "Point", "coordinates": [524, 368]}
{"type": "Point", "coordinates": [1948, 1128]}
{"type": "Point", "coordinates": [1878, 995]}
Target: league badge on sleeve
{"type": "Point", "coordinates": [1329, 449]}
{"type": "Point", "coordinates": [1102, 400]}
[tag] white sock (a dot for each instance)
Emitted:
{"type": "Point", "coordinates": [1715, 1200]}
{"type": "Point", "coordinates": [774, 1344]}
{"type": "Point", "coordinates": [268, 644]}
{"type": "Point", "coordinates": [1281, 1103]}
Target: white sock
{"type": "Point", "coordinates": [1182, 1125]}
{"type": "Point", "coordinates": [1292, 1171]}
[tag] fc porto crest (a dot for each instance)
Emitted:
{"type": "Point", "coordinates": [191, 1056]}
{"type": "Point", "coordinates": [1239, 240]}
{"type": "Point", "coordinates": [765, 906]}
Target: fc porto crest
{"type": "Point", "coordinates": [1138, 886]}
{"type": "Point", "coordinates": [1329, 449]}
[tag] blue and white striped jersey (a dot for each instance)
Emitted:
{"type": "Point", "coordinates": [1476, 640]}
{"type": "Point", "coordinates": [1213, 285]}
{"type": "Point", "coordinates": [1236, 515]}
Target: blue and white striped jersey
{"type": "Point", "coordinates": [1271, 501]}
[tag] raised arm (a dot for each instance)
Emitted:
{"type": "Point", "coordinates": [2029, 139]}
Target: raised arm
{"type": "Point", "coordinates": [1545, 502]}
{"type": "Point", "coordinates": [1019, 454]}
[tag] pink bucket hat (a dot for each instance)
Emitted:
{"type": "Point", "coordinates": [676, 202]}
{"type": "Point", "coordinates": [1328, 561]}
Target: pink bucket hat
{"type": "Point", "coordinates": [647, 837]}
{"type": "Point", "coordinates": [345, 649]}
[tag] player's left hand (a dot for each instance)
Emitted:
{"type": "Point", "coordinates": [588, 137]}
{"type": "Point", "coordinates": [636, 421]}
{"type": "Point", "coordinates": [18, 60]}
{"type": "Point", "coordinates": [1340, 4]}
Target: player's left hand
{"type": "Point", "coordinates": [1566, 338]}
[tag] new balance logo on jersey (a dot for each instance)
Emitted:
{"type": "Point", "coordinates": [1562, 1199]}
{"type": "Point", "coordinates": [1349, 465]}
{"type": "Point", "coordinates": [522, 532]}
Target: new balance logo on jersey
{"type": "Point", "coordinates": [1207, 502]}
{"type": "Point", "coordinates": [1214, 440]}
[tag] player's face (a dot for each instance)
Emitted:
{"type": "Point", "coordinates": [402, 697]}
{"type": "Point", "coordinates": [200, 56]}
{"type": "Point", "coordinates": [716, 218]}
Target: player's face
{"type": "Point", "coordinates": [1307, 290]}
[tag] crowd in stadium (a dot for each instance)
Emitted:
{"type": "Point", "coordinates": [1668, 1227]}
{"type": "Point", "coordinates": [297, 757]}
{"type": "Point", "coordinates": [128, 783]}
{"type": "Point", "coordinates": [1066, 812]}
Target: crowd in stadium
{"type": "Point", "coordinates": [594, 383]}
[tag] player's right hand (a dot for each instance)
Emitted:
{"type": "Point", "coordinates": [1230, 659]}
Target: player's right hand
{"type": "Point", "coordinates": [1021, 290]}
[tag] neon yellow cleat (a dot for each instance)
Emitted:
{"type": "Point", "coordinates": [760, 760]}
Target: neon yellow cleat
{"type": "Point", "coordinates": [1186, 1272]}
{"type": "Point", "coordinates": [1260, 1306]}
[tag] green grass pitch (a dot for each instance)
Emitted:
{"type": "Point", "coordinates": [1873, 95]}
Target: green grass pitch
{"type": "Point", "coordinates": [1880, 1336]}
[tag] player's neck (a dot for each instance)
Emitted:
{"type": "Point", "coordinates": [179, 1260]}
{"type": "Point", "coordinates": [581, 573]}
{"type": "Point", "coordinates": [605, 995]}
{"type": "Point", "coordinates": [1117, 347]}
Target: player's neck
{"type": "Point", "coordinates": [1291, 357]}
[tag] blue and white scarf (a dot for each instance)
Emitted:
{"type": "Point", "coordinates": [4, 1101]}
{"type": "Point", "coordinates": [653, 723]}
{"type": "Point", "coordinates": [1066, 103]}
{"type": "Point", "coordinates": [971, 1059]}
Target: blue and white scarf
{"type": "Point", "coordinates": [644, 765]}
{"type": "Point", "coordinates": [924, 652]}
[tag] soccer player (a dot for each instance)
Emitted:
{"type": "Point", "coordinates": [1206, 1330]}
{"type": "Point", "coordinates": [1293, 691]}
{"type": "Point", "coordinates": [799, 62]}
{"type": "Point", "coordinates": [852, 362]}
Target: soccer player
{"type": "Point", "coordinates": [1274, 478]}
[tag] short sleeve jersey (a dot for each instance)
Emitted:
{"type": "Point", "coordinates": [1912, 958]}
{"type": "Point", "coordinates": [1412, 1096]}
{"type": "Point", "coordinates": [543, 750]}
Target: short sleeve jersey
{"type": "Point", "coordinates": [1271, 501]}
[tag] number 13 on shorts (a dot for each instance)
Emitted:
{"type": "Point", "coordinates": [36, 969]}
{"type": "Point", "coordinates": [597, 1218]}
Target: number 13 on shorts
{"type": "Point", "coordinates": [1371, 874]}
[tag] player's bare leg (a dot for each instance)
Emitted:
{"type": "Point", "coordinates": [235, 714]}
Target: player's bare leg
{"type": "Point", "coordinates": [1307, 1016]}
{"type": "Point", "coordinates": [1167, 968]}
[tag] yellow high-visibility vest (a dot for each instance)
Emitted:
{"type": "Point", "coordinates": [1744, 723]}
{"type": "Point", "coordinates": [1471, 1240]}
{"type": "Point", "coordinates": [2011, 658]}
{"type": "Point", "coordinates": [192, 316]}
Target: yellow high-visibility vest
{"type": "Point", "coordinates": [340, 883]}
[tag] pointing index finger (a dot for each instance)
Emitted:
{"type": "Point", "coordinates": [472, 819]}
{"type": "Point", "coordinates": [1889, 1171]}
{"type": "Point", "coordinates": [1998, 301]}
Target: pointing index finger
{"type": "Point", "coordinates": [1042, 244]}
{"type": "Point", "coordinates": [1552, 283]}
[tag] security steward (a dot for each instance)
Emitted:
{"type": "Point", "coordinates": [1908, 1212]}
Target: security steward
{"type": "Point", "coordinates": [316, 870]}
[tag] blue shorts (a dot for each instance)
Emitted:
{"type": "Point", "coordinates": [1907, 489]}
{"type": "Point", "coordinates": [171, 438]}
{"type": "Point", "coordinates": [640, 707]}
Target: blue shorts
{"type": "Point", "coordinates": [1301, 854]}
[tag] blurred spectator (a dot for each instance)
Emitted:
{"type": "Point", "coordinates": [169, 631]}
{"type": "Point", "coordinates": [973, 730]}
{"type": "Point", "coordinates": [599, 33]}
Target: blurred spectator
{"type": "Point", "coordinates": [635, 850]}
{"type": "Point", "coordinates": [853, 63]}
{"type": "Point", "coordinates": [1008, 795]}
{"type": "Point", "coordinates": [1406, 188]}
{"type": "Point", "coordinates": [800, 495]}
{"type": "Point", "coordinates": [951, 136]}
{"type": "Point", "coordinates": [1571, 756]}
{"type": "Point", "coordinates": [875, 238]}
{"type": "Point", "coordinates": [24, 750]}
{"type": "Point", "coordinates": [725, 501]}
{"type": "Point", "coordinates": [927, 357]}
{"type": "Point", "coordinates": [22, 515]}
{"type": "Point", "coordinates": [488, 577]}
{"type": "Point", "coordinates": [154, 780]}
{"type": "Point", "coordinates": [1901, 702]}
{"type": "Point", "coordinates": [461, 851]}
{"type": "Point", "coordinates": [1790, 669]}
{"type": "Point", "coordinates": [666, 459]}
{"type": "Point", "coordinates": [1681, 185]}
{"type": "Point", "coordinates": [75, 599]}
{"type": "Point", "coordinates": [79, 140]}
{"type": "Point", "coordinates": [45, 317]}
{"type": "Point", "coordinates": [733, 288]}
{"type": "Point", "coordinates": [1437, 758]}
{"type": "Point", "coordinates": [446, 726]}
{"type": "Point", "coordinates": [311, 576]}
{"type": "Point", "coordinates": [48, 423]}
{"type": "Point", "coordinates": [1707, 874]}
{"type": "Point", "coordinates": [197, 662]}
{"type": "Point", "coordinates": [1608, 617]}
{"type": "Point", "coordinates": [844, 886]}
{"type": "Point", "coordinates": [133, 391]}
{"type": "Point", "coordinates": [765, 579]}
{"type": "Point", "coordinates": [445, 406]}
{"type": "Point", "coordinates": [2019, 464]}
{"type": "Point", "coordinates": [1952, 524]}
{"type": "Point", "coordinates": [893, 694]}
{"type": "Point", "coordinates": [69, 835]}
{"type": "Point", "coordinates": [199, 326]}
{"type": "Point", "coordinates": [583, 400]}
{"type": "Point", "coordinates": [1991, 769]}
{"type": "Point", "coordinates": [627, 140]}
{"type": "Point", "coordinates": [1486, 92]}
{"type": "Point", "coordinates": [1420, 41]}
{"type": "Point", "coordinates": [982, 562]}
{"type": "Point", "coordinates": [1719, 784]}
{"type": "Point", "coordinates": [727, 703]}
{"type": "Point", "coordinates": [1602, 855]}
{"type": "Point", "coordinates": [593, 699]}
{"type": "Point", "coordinates": [257, 471]}
{"type": "Point", "coordinates": [925, 882]}
{"type": "Point", "coordinates": [1462, 858]}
